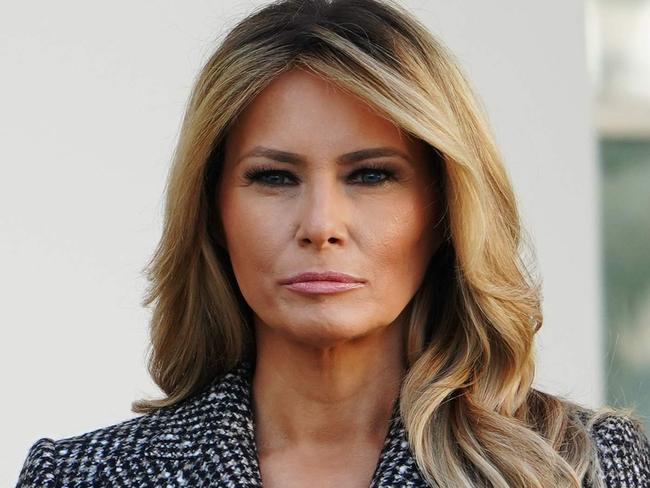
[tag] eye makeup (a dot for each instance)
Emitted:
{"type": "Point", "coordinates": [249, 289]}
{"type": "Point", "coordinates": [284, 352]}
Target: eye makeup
{"type": "Point", "coordinates": [262, 174]}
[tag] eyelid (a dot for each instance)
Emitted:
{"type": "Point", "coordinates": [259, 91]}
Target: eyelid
{"type": "Point", "coordinates": [376, 165]}
{"type": "Point", "coordinates": [254, 174]}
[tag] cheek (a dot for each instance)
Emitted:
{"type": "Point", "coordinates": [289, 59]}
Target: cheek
{"type": "Point", "coordinates": [253, 237]}
{"type": "Point", "coordinates": [399, 241]}
{"type": "Point", "coordinates": [398, 233]}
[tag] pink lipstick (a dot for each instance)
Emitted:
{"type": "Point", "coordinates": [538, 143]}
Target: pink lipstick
{"type": "Point", "coordinates": [314, 282]}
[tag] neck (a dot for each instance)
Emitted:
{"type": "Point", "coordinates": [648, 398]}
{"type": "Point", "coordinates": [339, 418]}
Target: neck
{"type": "Point", "coordinates": [340, 395]}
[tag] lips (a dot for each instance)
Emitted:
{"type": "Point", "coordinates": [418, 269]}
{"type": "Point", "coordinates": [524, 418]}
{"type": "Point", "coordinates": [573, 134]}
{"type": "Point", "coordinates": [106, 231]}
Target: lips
{"type": "Point", "coordinates": [333, 276]}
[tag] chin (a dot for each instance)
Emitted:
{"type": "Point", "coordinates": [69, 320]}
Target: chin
{"type": "Point", "coordinates": [329, 335]}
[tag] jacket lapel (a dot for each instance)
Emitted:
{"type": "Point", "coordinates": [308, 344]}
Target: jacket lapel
{"type": "Point", "coordinates": [397, 466]}
{"type": "Point", "coordinates": [213, 433]}
{"type": "Point", "coordinates": [208, 439]}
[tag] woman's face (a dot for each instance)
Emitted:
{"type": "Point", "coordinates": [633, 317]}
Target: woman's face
{"type": "Point", "coordinates": [313, 204]}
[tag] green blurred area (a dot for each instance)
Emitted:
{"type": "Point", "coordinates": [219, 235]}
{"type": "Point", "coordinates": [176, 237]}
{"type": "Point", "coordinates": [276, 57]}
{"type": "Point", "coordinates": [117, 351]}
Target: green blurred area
{"type": "Point", "coordinates": [625, 170]}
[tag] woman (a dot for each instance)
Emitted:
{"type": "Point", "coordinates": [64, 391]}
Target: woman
{"type": "Point", "coordinates": [338, 296]}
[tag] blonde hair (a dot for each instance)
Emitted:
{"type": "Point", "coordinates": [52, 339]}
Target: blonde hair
{"type": "Point", "coordinates": [470, 412]}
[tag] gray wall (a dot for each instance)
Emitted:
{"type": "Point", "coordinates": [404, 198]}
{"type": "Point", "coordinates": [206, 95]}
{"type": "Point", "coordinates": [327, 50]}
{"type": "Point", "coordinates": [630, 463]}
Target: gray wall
{"type": "Point", "coordinates": [92, 99]}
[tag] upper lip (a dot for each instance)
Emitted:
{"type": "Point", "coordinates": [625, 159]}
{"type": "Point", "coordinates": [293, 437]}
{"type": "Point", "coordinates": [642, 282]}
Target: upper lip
{"type": "Point", "coordinates": [321, 276]}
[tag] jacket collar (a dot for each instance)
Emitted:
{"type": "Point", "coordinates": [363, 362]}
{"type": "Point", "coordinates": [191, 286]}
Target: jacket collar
{"type": "Point", "coordinates": [217, 423]}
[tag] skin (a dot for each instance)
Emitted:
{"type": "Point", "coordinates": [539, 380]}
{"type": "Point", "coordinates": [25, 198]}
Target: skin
{"type": "Point", "coordinates": [328, 367]}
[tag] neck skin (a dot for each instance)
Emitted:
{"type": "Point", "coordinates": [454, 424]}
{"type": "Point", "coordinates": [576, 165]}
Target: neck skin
{"type": "Point", "coordinates": [306, 397]}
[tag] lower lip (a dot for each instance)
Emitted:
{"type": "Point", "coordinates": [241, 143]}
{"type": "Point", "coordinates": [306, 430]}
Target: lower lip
{"type": "Point", "coordinates": [313, 287]}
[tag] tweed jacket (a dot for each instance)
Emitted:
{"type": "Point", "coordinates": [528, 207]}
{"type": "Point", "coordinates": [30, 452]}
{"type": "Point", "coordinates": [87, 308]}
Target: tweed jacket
{"type": "Point", "coordinates": [208, 441]}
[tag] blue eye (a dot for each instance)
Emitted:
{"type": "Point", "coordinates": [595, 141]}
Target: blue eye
{"type": "Point", "coordinates": [268, 176]}
{"type": "Point", "coordinates": [374, 171]}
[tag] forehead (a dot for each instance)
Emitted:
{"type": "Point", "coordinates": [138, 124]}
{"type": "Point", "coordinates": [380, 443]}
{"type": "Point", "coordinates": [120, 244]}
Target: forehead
{"type": "Point", "coordinates": [301, 112]}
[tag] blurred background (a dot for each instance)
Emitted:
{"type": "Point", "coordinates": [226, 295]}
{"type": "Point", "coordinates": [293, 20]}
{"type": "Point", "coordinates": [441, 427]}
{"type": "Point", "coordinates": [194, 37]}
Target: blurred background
{"type": "Point", "coordinates": [618, 35]}
{"type": "Point", "coordinates": [92, 97]}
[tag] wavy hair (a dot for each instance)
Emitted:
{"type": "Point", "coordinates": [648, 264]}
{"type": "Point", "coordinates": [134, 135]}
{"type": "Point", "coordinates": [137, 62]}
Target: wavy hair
{"type": "Point", "coordinates": [470, 411]}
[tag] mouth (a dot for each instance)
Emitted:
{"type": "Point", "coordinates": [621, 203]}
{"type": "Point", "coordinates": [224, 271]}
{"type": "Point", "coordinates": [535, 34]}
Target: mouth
{"type": "Point", "coordinates": [314, 282]}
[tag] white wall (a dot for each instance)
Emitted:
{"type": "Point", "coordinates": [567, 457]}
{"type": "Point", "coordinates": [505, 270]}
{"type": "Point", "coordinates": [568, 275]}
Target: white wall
{"type": "Point", "coordinates": [92, 97]}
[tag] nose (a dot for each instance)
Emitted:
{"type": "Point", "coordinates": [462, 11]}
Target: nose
{"type": "Point", "coordinates": [322, 216]}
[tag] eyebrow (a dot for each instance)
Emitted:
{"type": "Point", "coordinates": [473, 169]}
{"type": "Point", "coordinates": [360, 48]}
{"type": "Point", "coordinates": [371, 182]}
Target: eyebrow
{"type": "Point", "coordinates": [347, 158]}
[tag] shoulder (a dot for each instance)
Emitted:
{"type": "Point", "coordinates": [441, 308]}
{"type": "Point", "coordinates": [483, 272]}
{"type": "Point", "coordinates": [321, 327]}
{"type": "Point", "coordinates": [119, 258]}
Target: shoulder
{"type": "Point", "coordinates": [182, 431]}
{"type": "Point", "coordinates": [79, 457]}
{"type": "Point", "coordinates": [623, 450]}
{"type": "Point", "coordinates": [621, 445]}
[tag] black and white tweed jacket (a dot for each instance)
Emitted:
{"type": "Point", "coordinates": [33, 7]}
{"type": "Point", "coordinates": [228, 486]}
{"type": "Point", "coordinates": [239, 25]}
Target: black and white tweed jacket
{"type": "Point", "coordinates": [208, 441]}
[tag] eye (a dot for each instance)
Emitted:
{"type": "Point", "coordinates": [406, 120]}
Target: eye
{"type": "Point", "coordinates": [374, 171]}
{"type": "Point", "coordinates": [267, 176]}
{"type": "Point", "coordinates": [374, 174]}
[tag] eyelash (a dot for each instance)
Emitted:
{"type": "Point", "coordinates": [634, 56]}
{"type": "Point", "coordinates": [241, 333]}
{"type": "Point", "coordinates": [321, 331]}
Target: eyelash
{"type": "Point", "coordinates": [256, 174]}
